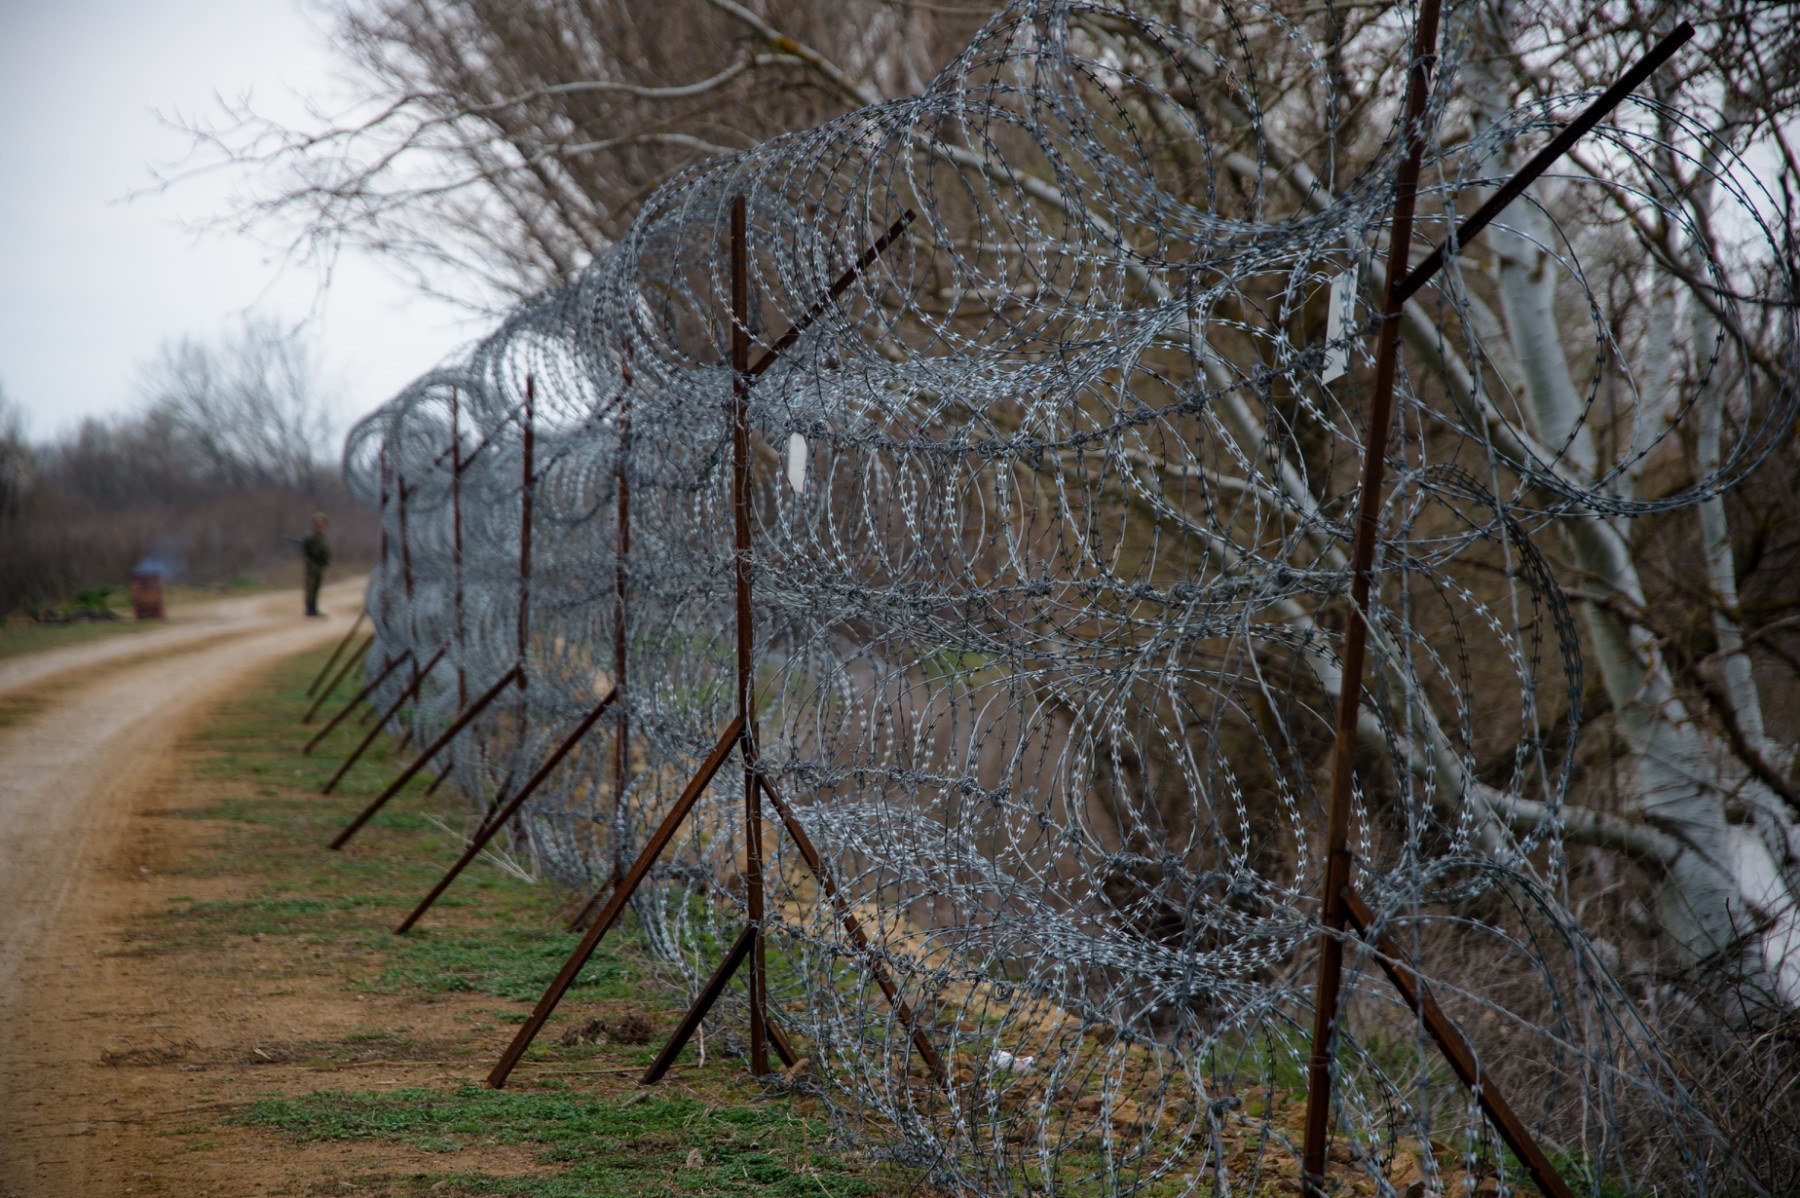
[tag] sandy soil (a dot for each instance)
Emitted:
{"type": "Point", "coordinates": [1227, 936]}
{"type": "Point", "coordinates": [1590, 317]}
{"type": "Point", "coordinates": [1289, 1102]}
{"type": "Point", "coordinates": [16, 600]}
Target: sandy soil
{"type": "Point", "coordinates": [79, 781]}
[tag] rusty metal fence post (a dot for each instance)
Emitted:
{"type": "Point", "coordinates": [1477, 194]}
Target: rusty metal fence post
{"type": "Point", "coordinates": [739, 737]}
{"type": "Point", "coordinates": [1343, 909]}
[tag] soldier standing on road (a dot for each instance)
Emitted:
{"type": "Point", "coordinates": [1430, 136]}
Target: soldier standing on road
{"type": "Point", "coordinates": [317, 551]}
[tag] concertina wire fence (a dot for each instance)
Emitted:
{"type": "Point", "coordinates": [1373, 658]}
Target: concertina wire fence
{"type": "Point", "coordinates": [1050, 512]}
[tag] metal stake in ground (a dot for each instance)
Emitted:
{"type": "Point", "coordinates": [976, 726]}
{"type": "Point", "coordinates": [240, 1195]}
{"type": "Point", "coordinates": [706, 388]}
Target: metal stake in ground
{"type": "Point", "coordinates": [389, 713]}
{"type": "Point", "coordinates": [341, 646]}
{"type": "Point", "coordinates": [511, 808]}
{"type": "Point", "coordinates": [401, 491]}
{"type": "Point", "coordinates": [1340, 897]}
{"type": "Point", "coordinates": [528, 488]}
{"type": "Point", "coordinates": [368, 689]}
{"type": "Point", "coordinates": [737, 736]}
{"type": "Point", "coordinates": [1381, 405]}
{"type": "Point", "coordinates": [746, 627]}
{"type": "Point", "coordinates": [527, 483]}
{"type": "Point", "coordinates": [449, 734]}
{"type": "Point", "coordinates": [621, 616]}
{"type": "Point", "coordinates": [456, 556]}
{"type": "Point", "coordinates": [332, 687]}
{"type": "Point", "coordinates": [621, 552]}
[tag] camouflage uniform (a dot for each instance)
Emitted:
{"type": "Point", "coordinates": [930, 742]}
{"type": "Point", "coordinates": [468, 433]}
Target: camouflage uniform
{"type": "Point", "coordinates": [317, 552]}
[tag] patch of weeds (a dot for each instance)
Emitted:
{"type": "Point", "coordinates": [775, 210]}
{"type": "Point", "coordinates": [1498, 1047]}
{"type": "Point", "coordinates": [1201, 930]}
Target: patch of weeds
{"type": "Point", "coordinates": [649, 1145]}
{"type": "Point", "coordinates": [277, 914]}
{"type": "Point", "coordinates": [261, 811]}
{"type": "Point", "coordinates": [19, 636]}
{"type": "Point", "coordinates": [352, 1050]}
{"type": "Point", "coordinates": [495, 936]}
{"type": "Point", "coordinates": [515, 963]}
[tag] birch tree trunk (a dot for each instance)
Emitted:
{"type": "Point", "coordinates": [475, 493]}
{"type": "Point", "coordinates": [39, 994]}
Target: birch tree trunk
{"type": "Point", "coordinates": [1728, 896]}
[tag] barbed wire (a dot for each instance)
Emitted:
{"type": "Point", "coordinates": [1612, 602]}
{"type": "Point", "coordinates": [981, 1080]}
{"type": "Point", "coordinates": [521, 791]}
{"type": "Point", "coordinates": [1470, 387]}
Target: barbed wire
{"type": "Point", "coordinates": [1050, 519]}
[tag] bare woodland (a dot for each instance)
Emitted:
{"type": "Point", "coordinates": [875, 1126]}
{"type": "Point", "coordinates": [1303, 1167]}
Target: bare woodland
{"type": "Point", "coordinates": [224, 460]}
{"type": "Point", "coordinates": [501, 145]}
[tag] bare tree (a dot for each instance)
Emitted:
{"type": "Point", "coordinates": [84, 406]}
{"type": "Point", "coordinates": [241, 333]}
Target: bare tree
{"type": "Point", "coordinates": [502, 144]}
{"type": "Point", "coordinates": [244, 408]}
{"type": "Point", "coordinates": [227, 456]}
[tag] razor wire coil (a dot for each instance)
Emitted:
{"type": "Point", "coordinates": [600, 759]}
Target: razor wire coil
{"type": "Point", "coordinates": [1050, 546]}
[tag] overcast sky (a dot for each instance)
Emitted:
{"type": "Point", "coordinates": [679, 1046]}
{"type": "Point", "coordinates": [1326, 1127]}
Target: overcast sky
{"type": "Point", "coordinates": [90, 284]}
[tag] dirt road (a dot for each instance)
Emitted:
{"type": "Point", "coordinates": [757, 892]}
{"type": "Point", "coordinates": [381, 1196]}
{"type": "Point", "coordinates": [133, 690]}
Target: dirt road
{"type": "Point", "coordinates": [95, 723]}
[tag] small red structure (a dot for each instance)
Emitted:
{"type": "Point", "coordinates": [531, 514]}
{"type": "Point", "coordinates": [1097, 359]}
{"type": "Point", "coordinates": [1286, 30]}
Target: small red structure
{"type": "Point", "coordinates": [147, 594]}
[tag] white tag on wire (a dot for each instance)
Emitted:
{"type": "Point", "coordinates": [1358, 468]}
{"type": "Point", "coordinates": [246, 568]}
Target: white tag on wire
{"type": "Point", "coordinates": [1337, 349]}
{"type": "Point", "coordinates": [796, 463]}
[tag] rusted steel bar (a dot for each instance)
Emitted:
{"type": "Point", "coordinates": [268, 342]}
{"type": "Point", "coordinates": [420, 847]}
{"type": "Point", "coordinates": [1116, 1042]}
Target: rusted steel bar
{"type": "Point", "coordinates": [386, 484]}
{"type": "Point", "coordinates": [816, 864]}
{"type": "Point", "coordinates": [383, 596]}
{"type": "Point", "coordinates": [341, 646]}
{"type": "Point", "coordinates": [424, 758]}
{"type": "Point", "coordinates": [1401, 284]}
{"type": "Point", "coordinates": [709, 994]}
{"type": "Point", "coordinates": [406, 570]}
{"type": "Point", "coordinates": [746, 626]}
{"type": "Point", "coordinates": [449, 768]}
{"type": "Point", "coordinates": [527, 494]}
{"type": "Point", "coordinates": [525, 498]}
{"type": "Point", "coordinates": [332, 688]}
{"type": "Point", "coordinates": [634, 877]}
{"type": "Point", "coordinates": [511, 808]}
{"type": "Point", "coordinates": [456, 560]}
{"type": "Point", "coordinates": [837, 288]}
{"type": "Point", "coordinates": [392, 710]}
{"type": "Point", "coordinates": [621, 552]}
{"type": "Point", "coordinates": [401, 490]}
{"type": "Point", "coordinates": [1540, 162]}
{"type": "Point", "coordinates": [1456, 1049]}
{"type": "Point", "coordinates": [1381, 406]}
{"type": "Point", "coordinates": [360, 695]}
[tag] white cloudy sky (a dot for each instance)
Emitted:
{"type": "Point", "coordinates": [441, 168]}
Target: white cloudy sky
{"type": "Point", "coordinates": [91, 284]}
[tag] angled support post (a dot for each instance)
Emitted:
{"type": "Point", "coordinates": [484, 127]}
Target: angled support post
{"type": "Point", "coordinates": [393, 709]}
{"type": "Point", "coordinates": [1455, 1048]}
{"type": "Point", "coordinates": [740, 735]}
{"type": "Point", "coordinates": [331, 688]}
{"type": "Point", "coordinates": [325, 669]}
{"type": "Point", "coordinates": [709, 994]}
{"type": "Point", "coordinates": [1339, 896]}
{"type": "Point", "coordinates": [449, 734]}
{"type": "Point", "coordinates": [365, 692]}
{"type": "Point", "coordinates": [449, 768]}
{"type": "Point", "coordinates": [634, 877]}
{"type": "Point", "coordinates": [816, 864]}
{"type": "Point", "coordinates": [509, 809]}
